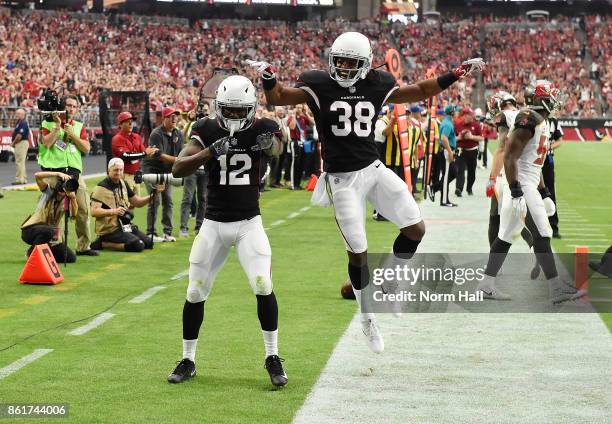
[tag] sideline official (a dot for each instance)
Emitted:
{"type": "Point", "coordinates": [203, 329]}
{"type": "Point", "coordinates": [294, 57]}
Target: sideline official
{"type": "Point", "coordinates": [64, 142]}
{"type": "Point", "coordinates": [20, 143]}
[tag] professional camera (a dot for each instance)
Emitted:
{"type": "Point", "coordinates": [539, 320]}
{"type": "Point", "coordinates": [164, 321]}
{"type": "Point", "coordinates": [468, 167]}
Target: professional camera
{"type": "Point", "coordinates": [125, 221]}
{"type": "Point", "coordinates": [68, 186]}
{"type": "Point", "coordinates": [50, 102]}
{"type": "Point", "coordinates": [157, 179]}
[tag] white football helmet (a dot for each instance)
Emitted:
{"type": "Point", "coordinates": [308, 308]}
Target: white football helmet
{"type": "Point", "coordinates": [352, 47]}
{"type": "Point", "coordinates": [235, 103]}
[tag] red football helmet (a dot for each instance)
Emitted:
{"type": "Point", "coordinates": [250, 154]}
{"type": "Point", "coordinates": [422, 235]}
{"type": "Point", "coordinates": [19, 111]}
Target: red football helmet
{"type": "Point", "coordinates": [544, 96]}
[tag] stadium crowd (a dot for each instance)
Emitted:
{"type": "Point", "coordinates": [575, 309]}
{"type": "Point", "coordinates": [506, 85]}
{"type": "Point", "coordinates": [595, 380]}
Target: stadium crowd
{"type": "Point", "coordinates": [172, 61]}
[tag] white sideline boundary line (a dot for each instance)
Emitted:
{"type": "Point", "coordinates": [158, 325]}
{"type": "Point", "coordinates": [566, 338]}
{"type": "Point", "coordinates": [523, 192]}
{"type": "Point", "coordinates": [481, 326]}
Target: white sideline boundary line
{"type": "Point", "coordinates": [278, 222]}
{"type": "Point", "coordinates": [22, 362]}
{"type": "Point", "coordinates": [180, 275]}
{"type": "Point", "coordinates": [146, 294]}
{"type": "Point", "coordinates": [463, 367]}
{"type": "Point", "coordinates": [96, 322]}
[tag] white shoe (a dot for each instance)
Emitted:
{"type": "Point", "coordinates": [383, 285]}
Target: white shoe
{"type": "Point", "coordinates": [156, 239]}
{"type": "Point", "coordinates": [183, 233]}
{"type": "Point", "coordinates": [492, 292]}
{"type": "Point", "coordinates": [373, 336]}
{"type": "Point", "coordinates": [168, 237]}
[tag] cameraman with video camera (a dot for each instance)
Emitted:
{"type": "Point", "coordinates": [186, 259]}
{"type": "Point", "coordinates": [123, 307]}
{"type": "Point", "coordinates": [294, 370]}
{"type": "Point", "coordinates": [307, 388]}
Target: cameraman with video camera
{"type": "Point", "coordinates": [168, 140]}
{"type": "Point", "coordinates": [46, 224]}
{"type": "Point", "coordinates": [63, 143]}
{"type": "Point", "coordinates": [110, 203]}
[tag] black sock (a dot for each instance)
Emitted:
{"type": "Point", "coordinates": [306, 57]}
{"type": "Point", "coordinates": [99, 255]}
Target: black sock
{"type": "Point", "coordinates": [359, 276]}
{"type": "Point", "coordinates": [193, 315]}
{"type": "Point", "coordinates": [499, 250]}
{"type": "Point", "coordinates": [493, 228]}
{"type": "Point", "coordinates": [267, 312]}
{"type": "Point", "coordinates": [526, 234]}
{"type": "Point", "coordinates": [546, 259]}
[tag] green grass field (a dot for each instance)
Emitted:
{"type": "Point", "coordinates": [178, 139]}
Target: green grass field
{"type": "Point", "coordinates": [117, 372]}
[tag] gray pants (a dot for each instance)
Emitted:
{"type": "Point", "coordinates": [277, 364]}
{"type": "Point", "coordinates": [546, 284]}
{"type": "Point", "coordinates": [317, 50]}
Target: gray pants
{"type": "Point", "coordinates": [192, 185]}
{"type": "Point", "coordinates": [165, 197]}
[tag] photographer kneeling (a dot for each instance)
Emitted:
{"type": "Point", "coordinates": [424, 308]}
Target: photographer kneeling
{"type": "Point", "coordinates": [46, 224]}
{"type": "Point", "coordinates": [110, 202]}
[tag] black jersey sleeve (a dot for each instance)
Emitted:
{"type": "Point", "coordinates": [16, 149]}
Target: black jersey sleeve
{"type": "Point", "coordinates": [388, 84]}
{"type": "Point", "coordinates": [313, 82]}
{"type": "Point", "coordinates": [528, 119]}
{"type": "Point", "coordinates": [266, 125]}
{"type": "Point", "coordinates": [199, 132]}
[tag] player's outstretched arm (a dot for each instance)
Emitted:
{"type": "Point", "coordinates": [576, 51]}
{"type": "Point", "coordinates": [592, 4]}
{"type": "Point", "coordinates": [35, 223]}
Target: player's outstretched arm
{"type": "Point", "coordinates": [276, 93]}
{"type": "Point", "coordinates": [190, 159]}
{"type": "Point", "coordinates": [428, 88]}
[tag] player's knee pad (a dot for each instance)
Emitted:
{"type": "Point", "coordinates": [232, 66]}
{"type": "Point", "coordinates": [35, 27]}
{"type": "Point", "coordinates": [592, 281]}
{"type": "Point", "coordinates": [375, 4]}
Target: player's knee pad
{"type": "Point", "coordinates": [134, 246]}
{"type": "Point", "coordinates": [262, 285]}
{"type": "Point", "coordinates": [359, 276]}
{"type": "Point", "coordinates": [197, 291]}
{"type": "Point", "coordinates": [403, 247]}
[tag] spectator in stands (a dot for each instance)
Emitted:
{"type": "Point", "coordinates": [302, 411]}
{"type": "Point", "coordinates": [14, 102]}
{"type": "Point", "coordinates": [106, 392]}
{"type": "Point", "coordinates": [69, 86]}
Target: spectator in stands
{"type": "Point", "coordinates": [63, 144]}
{"type": "Point", "coordinates": [111, 202]}
{"type": "Point", "coordinates": [20, 143]}
{"type": "Point", "coordinates": [46, 224]}
{"type": "Point", "coordinates": [169, 140]}
{"type": "Point", "coordinates": [128, 146]}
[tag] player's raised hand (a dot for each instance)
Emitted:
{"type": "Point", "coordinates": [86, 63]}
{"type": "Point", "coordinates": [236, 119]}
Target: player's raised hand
{"type": "Point", "coordinates": [263, 141]}
{"type": "Point", "coordinates": [264, 69]}
{"type": "Point", "coordinates": [472, 65]}
{"type": "Point", "coordinates": [221, 146]}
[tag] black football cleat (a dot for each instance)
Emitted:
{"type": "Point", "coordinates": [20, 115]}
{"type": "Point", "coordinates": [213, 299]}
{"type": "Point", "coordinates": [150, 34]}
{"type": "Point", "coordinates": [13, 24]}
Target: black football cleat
{"type": "Point", "coordinates": [183, 371]}
{"type": "Point", "coordinates": [275, 369]}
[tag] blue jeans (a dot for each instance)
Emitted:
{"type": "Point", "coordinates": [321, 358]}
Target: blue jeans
{"type": "Point", "coordinates": [194, 184]}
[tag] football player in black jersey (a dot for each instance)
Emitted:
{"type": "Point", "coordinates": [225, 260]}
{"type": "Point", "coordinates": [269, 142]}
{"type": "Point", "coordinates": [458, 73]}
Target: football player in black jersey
{"type": "Point", "coordinates": [232, 146]}
{"type": "Point", "coordinates": [346, 100]}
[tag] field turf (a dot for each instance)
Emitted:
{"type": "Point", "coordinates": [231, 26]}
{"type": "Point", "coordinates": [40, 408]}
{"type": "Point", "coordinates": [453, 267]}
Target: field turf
{"type": "Point", "coordinates": [117, 372]}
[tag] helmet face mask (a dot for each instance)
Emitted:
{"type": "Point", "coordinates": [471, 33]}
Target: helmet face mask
{"type": "Point", "coordinates": [543, 96]}
{"type": "Point", "coordinates": [235, 104]}
{"type": "Point", "coordinates": [350, 58]}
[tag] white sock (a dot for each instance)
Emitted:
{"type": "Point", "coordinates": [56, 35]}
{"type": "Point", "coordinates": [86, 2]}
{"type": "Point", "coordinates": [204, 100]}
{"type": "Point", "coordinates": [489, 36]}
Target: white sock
{"type": "Point", "coordinates": [189, 349]}
{"type": "Point", "coordinates": [270, 342]}
{"type": "Point", "coordinates": [365, 316]}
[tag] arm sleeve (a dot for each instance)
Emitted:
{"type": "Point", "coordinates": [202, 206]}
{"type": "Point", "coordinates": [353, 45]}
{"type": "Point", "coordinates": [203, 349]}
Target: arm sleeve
{"type": "Point", "coordinates": [528, 120]}
{"type": "Point", "coordinates": [310, 82]}
{"type": "Point", "coordinates": [501, 121]}
{"type": "Point", "coordinates": [130, 192]}
{"type": "Point", "coordinates": [198, 133]}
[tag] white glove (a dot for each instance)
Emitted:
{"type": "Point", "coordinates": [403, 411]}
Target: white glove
{"type": "Point", "coordinates": [263, 141]}
{"type": "Point", "coordinates": [549, 205]}
{"type": "Point", "coordinates": [519, 207]}
{"type": "Point", "coordinates": [264, 69]}
{"type": "Point", "coordinates": [469, 66]}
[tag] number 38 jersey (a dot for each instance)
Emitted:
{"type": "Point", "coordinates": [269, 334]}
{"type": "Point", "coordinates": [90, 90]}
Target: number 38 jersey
{"type": "Point", "coordinates": [346, 117]}
{"type": "Point", "coordinates": [234, 178]}
{"type": "Point", "coordinates": [532, 158]}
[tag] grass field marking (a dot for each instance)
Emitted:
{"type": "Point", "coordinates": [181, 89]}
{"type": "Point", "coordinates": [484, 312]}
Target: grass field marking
{"type": "Point", "coordinates": [146, 294]}
{"type": "Point", "coordinates": [180, 275]}
{"type": "Point", "coordinates": [96, 322]}
{"type": "Point", "coordinates": [7, 312]}
{"type": "Point", "coordinates": [305, 209]}
{"type": "Point", "coordinates": [586, 238]}
{"type": "Point", "coordinates": [22, 362]}
{"type": "Point", "coordinates": [582, 234]}
{"type": "Point", "coordinates": [65, 286]}
{"type": "Point", "coordinates": [35, 300]}
{"type": "Point", "coordinates": [279, 222]}
{"type": "Point", "coordinates": [293, 215]}
{"type": "Point", "coordinates": [112, 267]}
